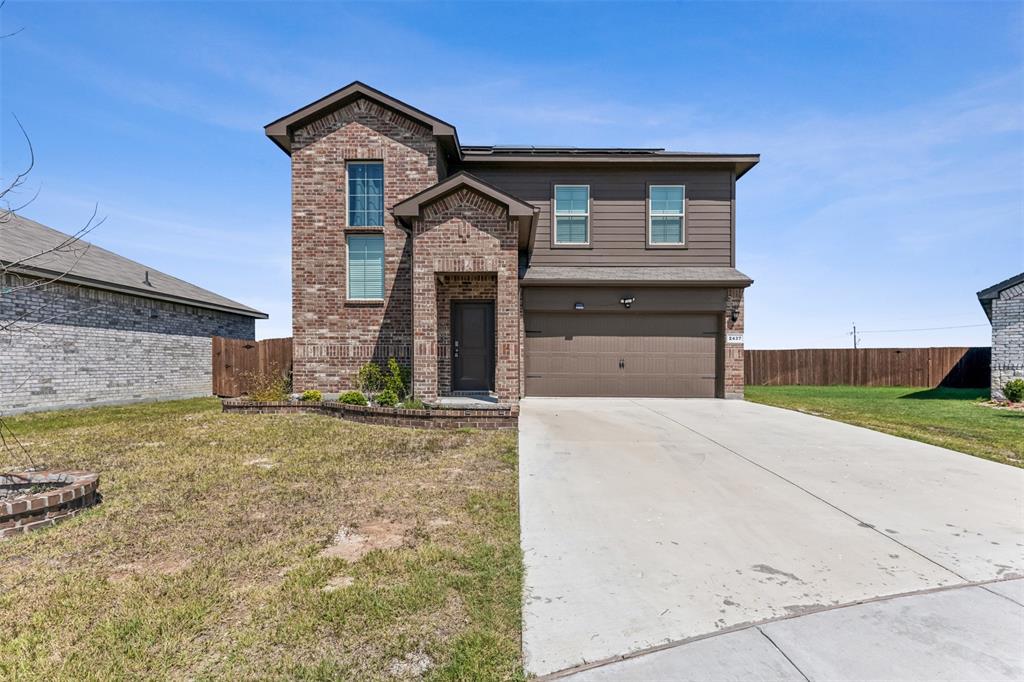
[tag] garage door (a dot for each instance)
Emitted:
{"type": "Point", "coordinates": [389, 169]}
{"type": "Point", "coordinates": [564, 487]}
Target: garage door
{"type": "Point", "coordinates": [621, 354]}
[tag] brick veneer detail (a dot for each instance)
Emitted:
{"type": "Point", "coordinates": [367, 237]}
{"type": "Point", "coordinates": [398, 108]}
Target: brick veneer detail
{"type": "Point", "coordinates": [461, 233]}
{"type": "Point", "coordinates": [333, 337]}
{"type": "Point", "coordinates": [77, 491]}
{"type": "Point", "coordinates": [733, 369]}
{"type": "Point", "coordinates": [1007, 339]}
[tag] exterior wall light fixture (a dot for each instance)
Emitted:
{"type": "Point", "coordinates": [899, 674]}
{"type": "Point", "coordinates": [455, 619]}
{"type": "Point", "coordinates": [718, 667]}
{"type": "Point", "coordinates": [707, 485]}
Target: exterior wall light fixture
{"type": "Point", "coordinates": [627, 301]}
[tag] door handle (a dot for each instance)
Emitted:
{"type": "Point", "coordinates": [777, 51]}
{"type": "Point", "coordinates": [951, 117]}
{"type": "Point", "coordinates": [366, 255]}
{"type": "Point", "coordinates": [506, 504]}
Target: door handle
{"type": "Point", "coordinates": [622, 364]}
{"type": "Point", "coordinates": [456, 349]}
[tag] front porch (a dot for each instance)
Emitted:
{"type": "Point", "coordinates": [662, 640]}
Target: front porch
{"type": "Point", "coordinates": [465, 292]}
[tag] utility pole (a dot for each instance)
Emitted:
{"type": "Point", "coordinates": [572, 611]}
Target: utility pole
{"type": "Point", "coordinates": [855, 336]}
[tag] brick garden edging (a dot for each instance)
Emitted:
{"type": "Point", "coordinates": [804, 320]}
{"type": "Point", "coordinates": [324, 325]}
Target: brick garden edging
{"type": "Point", "coordinates": [497, 418]}
{"type": "Point", "coordinates": [33, 512]}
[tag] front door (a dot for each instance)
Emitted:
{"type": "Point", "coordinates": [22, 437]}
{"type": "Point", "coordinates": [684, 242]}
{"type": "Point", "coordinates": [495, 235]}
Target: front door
{"type": "Point", "coordinates": [473, 346]}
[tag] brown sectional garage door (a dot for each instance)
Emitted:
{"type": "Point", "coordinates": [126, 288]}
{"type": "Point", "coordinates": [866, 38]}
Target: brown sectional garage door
{"type": "Point", "coordinates": [621, 354]}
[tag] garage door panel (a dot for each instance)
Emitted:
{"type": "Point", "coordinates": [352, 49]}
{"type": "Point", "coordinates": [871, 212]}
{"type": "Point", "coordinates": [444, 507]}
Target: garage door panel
{"type": "Point", "coordinates": [621, 354]}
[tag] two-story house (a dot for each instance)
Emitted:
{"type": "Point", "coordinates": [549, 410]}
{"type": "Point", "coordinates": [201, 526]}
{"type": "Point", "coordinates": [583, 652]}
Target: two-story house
{"type": "Point", "coordinates": [511, 271]}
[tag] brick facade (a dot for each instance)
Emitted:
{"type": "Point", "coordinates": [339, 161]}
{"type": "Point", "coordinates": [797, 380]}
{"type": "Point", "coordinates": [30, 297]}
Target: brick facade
{"type": "Point", "coordinates": [65, 345]}
{"type": "Point", "coordinates": [732, 369]}
{"type": "Point", "coordinates": [1007, 338]}
{"type": "Point", "coordinates": [461, 246]}
{"type": "Point", "coordinates": [459, 235]}
{"type": "Point", "coordinates": [334, 337]}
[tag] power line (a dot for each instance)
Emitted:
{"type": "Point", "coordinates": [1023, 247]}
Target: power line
{"type": "Point", "coordinates": [919, 329]}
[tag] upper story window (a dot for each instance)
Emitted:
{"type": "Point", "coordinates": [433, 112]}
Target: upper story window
{"type": "Point", "coordinates": [366, 194]}
{"type": "Point", "coordinates": [667, 211]}
{"type": "Point", "coordinates": [572, 214]}
{"type": "Point", "coordinates": [365, 267]}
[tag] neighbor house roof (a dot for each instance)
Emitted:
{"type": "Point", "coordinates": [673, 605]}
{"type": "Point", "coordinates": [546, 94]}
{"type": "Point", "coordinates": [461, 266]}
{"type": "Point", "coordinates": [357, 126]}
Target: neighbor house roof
{"type": "Point", "coordinates": [595, 275]}
{"type": "Point", "coordinates": [986, 296]}
{"type": "Point", "coordinates": [280, 131]}
{"type": "Point", "coordinates": [517, 208]}
{"type": "Point", "coordinates": [31, 248]}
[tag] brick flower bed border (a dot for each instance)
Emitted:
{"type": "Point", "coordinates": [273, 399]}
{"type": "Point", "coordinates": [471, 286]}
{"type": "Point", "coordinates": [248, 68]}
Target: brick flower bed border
{"type": "Point", "coordinates": [33, 512]}
{"type": "Point", "coordinates": [498, 418]}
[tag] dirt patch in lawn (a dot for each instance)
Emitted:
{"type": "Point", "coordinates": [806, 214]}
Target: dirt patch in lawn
{"type": "Point", "coordinates": [351, 544]}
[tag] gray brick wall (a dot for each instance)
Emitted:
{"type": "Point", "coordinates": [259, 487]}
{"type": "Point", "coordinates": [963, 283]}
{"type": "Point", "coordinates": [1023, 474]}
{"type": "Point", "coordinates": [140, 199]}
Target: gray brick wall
{"type": "Point", "coordinates": [71, 346]}
{"type": "Point", "coordinates": [1007, 338]}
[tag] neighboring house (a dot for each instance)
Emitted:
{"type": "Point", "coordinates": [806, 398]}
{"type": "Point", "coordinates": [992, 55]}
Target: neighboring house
{"type": "Point", "coordinates": [1004, 305]}
{"type": "Point", "coordinates": [538, 271]}
{"type": "Point", "coordinates": [80, 325]}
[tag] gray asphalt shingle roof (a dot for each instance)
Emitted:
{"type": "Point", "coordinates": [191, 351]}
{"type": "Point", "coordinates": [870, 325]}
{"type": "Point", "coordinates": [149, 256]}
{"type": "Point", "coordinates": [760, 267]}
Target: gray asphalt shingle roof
{"type": "Point", "coordinates": [91, 265]}
{"type": "Point", "coordinates": [682, 274]}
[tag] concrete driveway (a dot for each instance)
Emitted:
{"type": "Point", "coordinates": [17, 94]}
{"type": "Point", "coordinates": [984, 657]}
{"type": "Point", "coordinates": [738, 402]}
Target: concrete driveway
{"type": "Point", "coordinates": [649, 523]}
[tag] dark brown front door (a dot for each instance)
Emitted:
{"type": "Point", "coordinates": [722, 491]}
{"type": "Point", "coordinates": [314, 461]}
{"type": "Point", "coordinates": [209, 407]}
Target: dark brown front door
{"type": "Point", "coordinates": [472, 346]}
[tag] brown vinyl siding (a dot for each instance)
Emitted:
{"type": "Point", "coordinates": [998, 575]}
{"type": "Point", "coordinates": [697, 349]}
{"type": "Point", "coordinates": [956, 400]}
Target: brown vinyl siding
{"type": "Point", "coordinates": [618, 219]}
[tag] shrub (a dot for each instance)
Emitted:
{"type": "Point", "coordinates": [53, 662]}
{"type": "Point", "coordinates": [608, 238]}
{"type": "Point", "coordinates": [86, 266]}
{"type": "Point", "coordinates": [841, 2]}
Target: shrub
{"type": "Point", "coordinates": [352, 398]}
{"type": "Point", "coordinates": [268, 387]}
{"type": "Point", "coordinates": [370, 379]}
{"type": "Point", "coordinates": [387, 398]}
{"type": "Point", "coordinates": [397, 379]}
{"type": "Point", "coordinates": [413, 404]}
{"type": "Point", "coordinates": [1014, 390]}
{"type": "Point", "coordinates": [312, 395]}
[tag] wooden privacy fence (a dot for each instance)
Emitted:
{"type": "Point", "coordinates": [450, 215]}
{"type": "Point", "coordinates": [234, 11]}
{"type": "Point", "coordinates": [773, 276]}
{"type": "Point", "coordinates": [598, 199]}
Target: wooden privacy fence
{"type": "Point", "coordinates": [952, 367]}
{"type": "Point", "coordinates": [235, 360]}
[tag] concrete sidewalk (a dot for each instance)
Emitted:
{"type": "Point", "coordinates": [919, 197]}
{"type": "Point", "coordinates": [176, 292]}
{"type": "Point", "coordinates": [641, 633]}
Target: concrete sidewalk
{"type": "Point", "coordinates": [963, 633]}
{"type": "Point", "coordinates": [646, 522]}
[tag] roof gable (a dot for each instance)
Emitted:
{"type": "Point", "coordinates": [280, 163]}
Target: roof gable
{"type": "Point", "coordinates": [281, 130]}
{"type": "Point", "coordinates": [986, 296]}
{"type": "Point", "coordinates": [517, 208]}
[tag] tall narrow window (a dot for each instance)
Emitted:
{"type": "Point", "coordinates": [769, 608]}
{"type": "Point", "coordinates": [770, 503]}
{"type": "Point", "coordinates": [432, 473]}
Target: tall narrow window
{"type": "Point", "coordinates": [667, 210]}
{"type": "Point", "coordinates": [365, 267]}
{"type": "Point", "coordinates": [366, 194]}
{"type": "Point", "coordinates": [572, 214]}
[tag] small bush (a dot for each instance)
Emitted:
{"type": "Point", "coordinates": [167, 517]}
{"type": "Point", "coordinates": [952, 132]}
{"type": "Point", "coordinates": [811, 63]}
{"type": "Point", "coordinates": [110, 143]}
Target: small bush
{"type": "Point", "coordinates": [311, 396]}
{"type": "Point", "coordinates": [387, 398]}
{"type": "Point", "coordinates": [413, 404]}
{"type": "Point", "coordinates": [268, 387]}
{"type": "Point", "coordinates": [397, 379]}
{"type": "Point", "coordinates": [1014, 390]}
{"type": "Point", "coordinates": [370, 379]}
{"type": "Point", "coordinates": [352, 398]}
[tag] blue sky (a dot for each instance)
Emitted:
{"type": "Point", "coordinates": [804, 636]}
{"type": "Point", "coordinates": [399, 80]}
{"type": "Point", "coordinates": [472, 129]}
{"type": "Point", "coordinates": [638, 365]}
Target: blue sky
{"type": "Point", "coordinates": [891, 186]}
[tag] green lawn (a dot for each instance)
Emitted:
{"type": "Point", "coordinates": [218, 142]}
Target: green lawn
{"type": "Point", "coordinates": [950, 417]}
{"type": "Point", "coordinates": [206, 559]}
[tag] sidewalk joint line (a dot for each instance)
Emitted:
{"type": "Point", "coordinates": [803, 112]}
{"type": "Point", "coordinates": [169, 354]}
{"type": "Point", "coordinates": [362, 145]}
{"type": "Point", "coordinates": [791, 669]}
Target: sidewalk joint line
{"type": "Point", "coordinates": [639, 653]}
{"type": "Point", "coordinates": [784, 654]}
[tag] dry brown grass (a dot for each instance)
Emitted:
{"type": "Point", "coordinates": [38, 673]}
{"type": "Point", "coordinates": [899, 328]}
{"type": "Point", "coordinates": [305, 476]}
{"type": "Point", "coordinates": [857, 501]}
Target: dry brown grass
{"type": "Point", "coordinates": [206, 558]}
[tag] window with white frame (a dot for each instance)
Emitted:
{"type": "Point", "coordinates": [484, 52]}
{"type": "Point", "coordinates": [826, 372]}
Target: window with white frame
{"type": "Point", "coordinates": [667, 209]}
{"type": "Point", "coordinates": [365, 267]}
{"type": "Point", "coordinates": [366, 194]}
{"type": "Point", "coordinates": [572, 214]}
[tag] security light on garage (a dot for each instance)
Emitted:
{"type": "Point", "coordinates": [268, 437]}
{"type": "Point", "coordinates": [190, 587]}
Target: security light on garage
{"type": "Point", "coordinates": [627, 301]}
